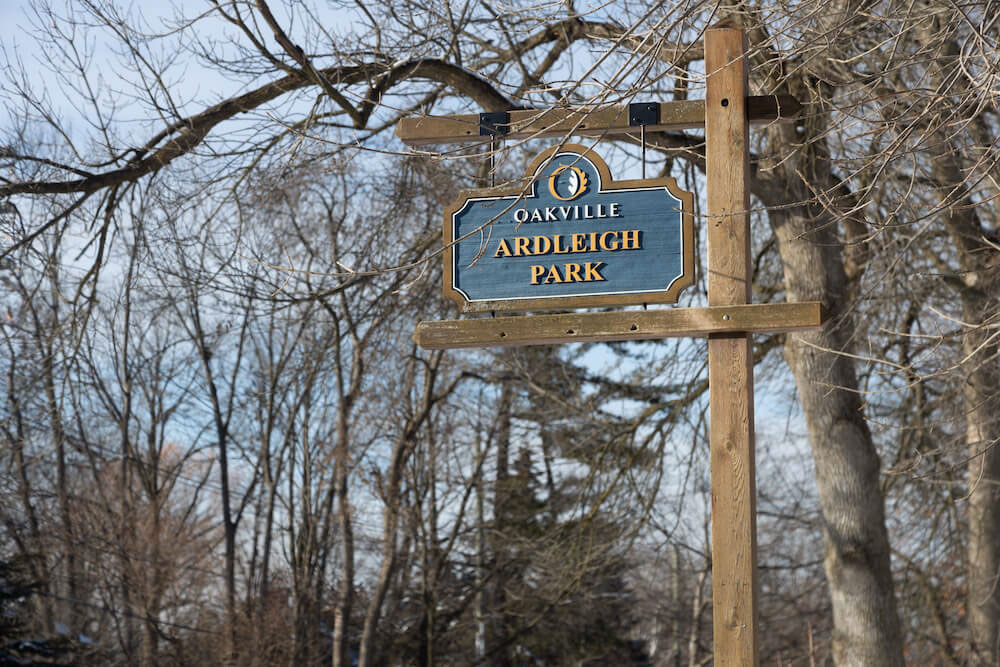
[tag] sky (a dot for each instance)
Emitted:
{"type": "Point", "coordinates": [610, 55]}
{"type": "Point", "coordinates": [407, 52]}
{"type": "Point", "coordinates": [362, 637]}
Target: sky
{"type": "Point", "coordinates": [194, 83]}
{"type": "Point", "coordinates": [785, 450]}
{"type": "Point", "coordinates": [197, 83]}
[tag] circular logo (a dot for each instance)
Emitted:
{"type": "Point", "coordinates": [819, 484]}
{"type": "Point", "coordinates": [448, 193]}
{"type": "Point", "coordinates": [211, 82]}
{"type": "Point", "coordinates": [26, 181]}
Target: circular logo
{"type": "Point", "coordinates": [567, 182]}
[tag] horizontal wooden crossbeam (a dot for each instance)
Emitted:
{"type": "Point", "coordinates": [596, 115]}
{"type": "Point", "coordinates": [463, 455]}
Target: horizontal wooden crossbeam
{"type": "Point", "coordinates": [619, 325]}
{"type": "Point", "coordinates": [585, 121]}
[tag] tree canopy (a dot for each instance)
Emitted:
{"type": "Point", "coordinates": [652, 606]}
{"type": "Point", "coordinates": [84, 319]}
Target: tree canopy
{"type": "Point", "coordinates": [220, 443]}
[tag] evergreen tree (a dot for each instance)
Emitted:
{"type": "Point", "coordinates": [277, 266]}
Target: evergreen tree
{"type": "Point", "coordinates": [17, 645]}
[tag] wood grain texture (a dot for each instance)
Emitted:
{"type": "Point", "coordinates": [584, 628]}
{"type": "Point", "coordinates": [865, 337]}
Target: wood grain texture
{"type": "Point", "coordinates": [584, 121]}
{"type": "Point", "coordinates": [730, 365]}
{"type": "Point", "coordinates": [727, 159]}
{"type": "Point", "coordinates": [734, 525]}
{"type": "Point", "coordinates": [618, 326]}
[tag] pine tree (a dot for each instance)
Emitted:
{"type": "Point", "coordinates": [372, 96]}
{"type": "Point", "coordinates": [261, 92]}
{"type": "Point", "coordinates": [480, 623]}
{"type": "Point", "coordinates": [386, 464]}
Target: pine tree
{"type": "Point", "coordinates": [17, 646]}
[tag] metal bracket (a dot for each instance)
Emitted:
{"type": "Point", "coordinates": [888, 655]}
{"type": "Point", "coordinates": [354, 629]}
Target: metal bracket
{"type": "Point", "coordinates": [643, 113]}
{"type": "Point", "coordinates": [494, 123]}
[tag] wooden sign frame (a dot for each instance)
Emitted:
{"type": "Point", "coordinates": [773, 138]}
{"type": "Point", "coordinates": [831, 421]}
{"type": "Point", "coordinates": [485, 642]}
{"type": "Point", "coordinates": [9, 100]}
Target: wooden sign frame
{"type": "Point", "coordinates": [518, 193]}
{"type": "Point", "coordinates": [729, 321]}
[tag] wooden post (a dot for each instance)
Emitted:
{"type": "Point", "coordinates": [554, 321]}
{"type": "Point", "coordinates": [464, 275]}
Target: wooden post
{"type": "Point", "coordinates": [728, 321]}
{"type": "Point", "coordinates": [730, 355]}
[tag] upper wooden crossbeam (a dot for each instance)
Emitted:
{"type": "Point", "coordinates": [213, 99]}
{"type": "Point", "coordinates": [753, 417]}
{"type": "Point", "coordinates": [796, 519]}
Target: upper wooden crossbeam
{"type": "Point", "coordinates": [585, 121]}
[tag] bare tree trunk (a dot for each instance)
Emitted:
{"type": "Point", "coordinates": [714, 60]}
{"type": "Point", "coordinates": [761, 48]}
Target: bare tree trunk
{"type": "Point", "coordinates": [154, 577]}
{"type": "Point", "coordinates": [867, 629]}
{"type": "Point", "coordinates": [480, 602]}
{"type": "Point", "coordinates": [697, 610]}
{"type": "Point", "coordinates": [500, 508]}
{"type": "Point", "coordinates": [270, 483]}
{"type": "Point", "coordinates": [229, 533]}
{"type": "Point", "coordinates": [221, 414]}
{"type": "Point", "coordinates": [675, 610]}
{"type": "Point", "coordinates": [393, 504]}
{"type": "Point", "coordinates": [982, 402]}
{"type": "Point", "coordinates": [981, 399]}
{"type": "Point", "coordinates": [433, 559]}
{"type": "Point", "coordinates": [345, 599]}
{"type": "Point", "coordinates": [13, 430]}
{"type": "Point", "coordinates": [866, 625]}
{"type": "Point", "coordinates": [45, 334]}
{"type": "Point", "coordinates": [387, 570]}
{"type": "Point", "coordinates": [976, 284]}
{"type": "Point", "coordinates": [127, 524]}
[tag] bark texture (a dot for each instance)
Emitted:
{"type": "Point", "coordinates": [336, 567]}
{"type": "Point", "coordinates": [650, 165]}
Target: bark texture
{"type": "Point", "coordinates": [982, 434]}
{"type": "Point", "coordinates": [981, 401]}
{"type": "Point", "coordinates": [977, 283]}
{"type": "Point", "coordinates": [856, 545]}
{"type": "Point", "coordinates": [866, 625]}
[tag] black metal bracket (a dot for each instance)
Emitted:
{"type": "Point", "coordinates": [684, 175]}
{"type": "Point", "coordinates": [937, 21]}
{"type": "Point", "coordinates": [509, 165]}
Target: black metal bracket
{"type": "Point", "coordinates": [643, 113]}
{"type": "Point", "coordinates": [494, 123]}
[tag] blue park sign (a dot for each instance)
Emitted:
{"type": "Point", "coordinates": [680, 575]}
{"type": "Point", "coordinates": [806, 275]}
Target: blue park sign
{"type": "Point", "coordinates": [570, 237]}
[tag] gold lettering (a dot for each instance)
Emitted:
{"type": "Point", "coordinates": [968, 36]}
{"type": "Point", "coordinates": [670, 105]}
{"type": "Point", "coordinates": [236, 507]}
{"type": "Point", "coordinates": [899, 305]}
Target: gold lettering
{"type": "Point", "coordinates": [526, 246]}
{"type": "Point", "coordinates": [542, 245]}
{"type": "Point", "coordinates": [573, 273]}
{"type": "Point", "coordinates": [521, 246]}
{"type": "Point", "coordinates": [503, 250]}
{"type": "Point", "coordinates": [536, 273]}
{"type": "Point", "coordinates": [554, 276]}
{"type": "Point", "coordinates": [590, 272]}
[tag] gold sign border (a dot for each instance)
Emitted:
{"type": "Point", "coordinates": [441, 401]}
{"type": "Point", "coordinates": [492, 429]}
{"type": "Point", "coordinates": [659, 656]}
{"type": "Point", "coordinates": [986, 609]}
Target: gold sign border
{"type": "Point", "coordinates": [608, 184]}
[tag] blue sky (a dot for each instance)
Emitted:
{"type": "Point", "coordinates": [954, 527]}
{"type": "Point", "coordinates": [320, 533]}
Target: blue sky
{"type": "Point", "coordinates": [776, 416]}
{"type": "Point", "coordinates": [194, 84]}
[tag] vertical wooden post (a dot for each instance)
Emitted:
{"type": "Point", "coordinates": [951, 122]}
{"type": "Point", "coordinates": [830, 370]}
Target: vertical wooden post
{"type": "Point", "coordinates": [730, 356]}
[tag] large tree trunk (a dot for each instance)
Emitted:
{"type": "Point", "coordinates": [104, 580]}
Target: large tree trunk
{"type": "Point", "coordinates": [981, 402]}
{"type": "Point", "coordinates": [982, 405]}
{"type": "Point", "coordinates": [977, 288]}
{"type": "Point", "coordinates": [796, 166]}
{"type": "Point", "coordinates": [977, 285]}
{"type": "Point", "coordinates": [866, 628]}
{"type": "Point", "coordinates": [866, 625]}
